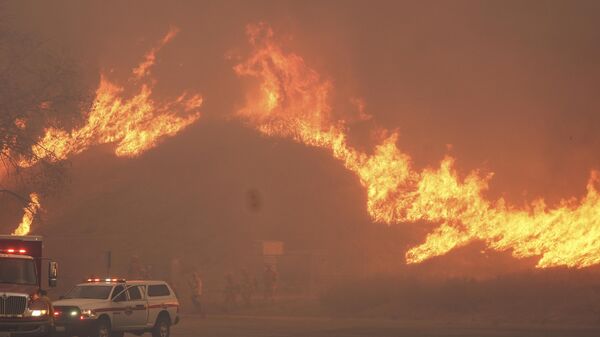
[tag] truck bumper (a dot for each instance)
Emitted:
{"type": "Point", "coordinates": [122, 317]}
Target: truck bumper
{"type": "Point", "coordinates": [29, 328]}
{"type": "Point", "coordinates": [77, 328]}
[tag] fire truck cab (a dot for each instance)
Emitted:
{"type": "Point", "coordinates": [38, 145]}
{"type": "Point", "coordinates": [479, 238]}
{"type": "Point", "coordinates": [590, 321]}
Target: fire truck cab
{"type": "Point", "coordinates": [24, 308]}
{"type": "Point", "coordinates": [110, 307]}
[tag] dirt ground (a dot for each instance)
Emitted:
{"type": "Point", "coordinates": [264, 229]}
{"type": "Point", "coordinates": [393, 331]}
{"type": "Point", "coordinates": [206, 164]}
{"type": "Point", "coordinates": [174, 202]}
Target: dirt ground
{"type": "Point", "coordinates": [259, 326]}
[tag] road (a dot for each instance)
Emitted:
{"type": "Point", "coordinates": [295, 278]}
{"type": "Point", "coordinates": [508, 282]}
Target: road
{"type": "Point", "coordinates": [260, 326]}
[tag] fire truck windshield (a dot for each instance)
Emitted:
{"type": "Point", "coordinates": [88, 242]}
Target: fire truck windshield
{"type": "Point", "coordinates": [17, 271]}
{"type": "Point", "coordinates": [91, 292]}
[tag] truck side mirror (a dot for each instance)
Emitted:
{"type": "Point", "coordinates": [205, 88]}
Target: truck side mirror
{"type": "Point", "coordinates": [52, 274]}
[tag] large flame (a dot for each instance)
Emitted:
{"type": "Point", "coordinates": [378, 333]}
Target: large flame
{"type": "Point", "coordinates": [134, 123]}
{"type": "Point", "coordinates": [29, 214]}
{"type": "Point", "coordinates": [292, 101]}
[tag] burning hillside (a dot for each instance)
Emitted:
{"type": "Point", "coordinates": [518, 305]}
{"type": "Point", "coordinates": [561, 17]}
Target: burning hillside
{"type": "Point", "coordinates": [134, 123]}
{"type": "Point", "coordinates": [293, 101]}
{"type": "Point", "coordinates": [330, 168]}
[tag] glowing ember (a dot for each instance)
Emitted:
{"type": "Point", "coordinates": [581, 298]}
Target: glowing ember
{"type": "Point", "coordinates": [29, 214]}
{"type": "Point", "coordinates": [293, 101]}
{"type": "Point", "coordinates": [133, 123]}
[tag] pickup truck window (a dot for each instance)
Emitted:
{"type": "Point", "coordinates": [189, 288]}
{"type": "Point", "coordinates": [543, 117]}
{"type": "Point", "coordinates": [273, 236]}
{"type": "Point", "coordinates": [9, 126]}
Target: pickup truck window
{"type": "Point", "coordinates": [92, 292]}
{"type": "Point", "coordinates": [119, 294]}
{"type": "Point", "coordinates": [158, 290]}
{"type": "Point", "coordinates": [134, 293]}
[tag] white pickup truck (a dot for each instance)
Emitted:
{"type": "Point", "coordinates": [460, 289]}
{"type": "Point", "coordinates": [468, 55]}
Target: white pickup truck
{"type": "Point", "coordinates": [110, 307]}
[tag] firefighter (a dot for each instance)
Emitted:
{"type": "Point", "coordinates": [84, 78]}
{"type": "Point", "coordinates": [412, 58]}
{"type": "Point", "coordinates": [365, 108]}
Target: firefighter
{"type": "Point", "coordinates": [137, 271]}
{"type": "Point", "coordinates": [270, 282]}
{"type": "Point", "coordinates": [231, 291]}
{"type": "Point", "coordinates": [149, 271]}
{"type": "Point", "coordinates": [248, 286]}
{"type": "Point", "coordinates": [43, 295]}
{"type": "Point", "coordinates": [197, 288]}
{"type": "Point", "coordinates": [174, 274]}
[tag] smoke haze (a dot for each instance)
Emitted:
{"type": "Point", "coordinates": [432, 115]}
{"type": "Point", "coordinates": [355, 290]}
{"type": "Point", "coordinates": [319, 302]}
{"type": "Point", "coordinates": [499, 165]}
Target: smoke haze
{"type": "Point", "coordinates": [506, 87]}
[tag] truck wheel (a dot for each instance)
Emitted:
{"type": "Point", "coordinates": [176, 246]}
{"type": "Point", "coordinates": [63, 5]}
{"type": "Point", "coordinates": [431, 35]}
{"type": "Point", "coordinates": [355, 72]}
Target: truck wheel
{"type": "Point", "coordinates": [162, 328]}
{"type": "Point", "coordinates": [102, 328]}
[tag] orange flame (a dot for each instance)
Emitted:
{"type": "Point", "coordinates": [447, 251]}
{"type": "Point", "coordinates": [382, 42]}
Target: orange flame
{"type": "Point", "coordinates": [29, 214]}
{"type": "Point", "coordinates": [134, 124]}
{"type": "Point", "coordinates": [143, 68]}
{"type": "Point", "coordinates": [293, 101]}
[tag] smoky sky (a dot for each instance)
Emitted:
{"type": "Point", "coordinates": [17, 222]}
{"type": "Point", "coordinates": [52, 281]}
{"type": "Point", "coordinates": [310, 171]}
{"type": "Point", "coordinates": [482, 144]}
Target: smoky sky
{"type": "Point", "coordinates": [503, 86]}
{"type": "Point", "coordinates": [511, 85]}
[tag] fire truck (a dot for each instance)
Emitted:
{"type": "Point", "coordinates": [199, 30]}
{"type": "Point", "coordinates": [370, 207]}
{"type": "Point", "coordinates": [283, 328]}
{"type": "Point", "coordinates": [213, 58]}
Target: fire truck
{"type": "Point", "coordinates": [24, 308]}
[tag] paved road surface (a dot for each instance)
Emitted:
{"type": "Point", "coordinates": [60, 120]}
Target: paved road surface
{"type": "Point", "coordinates": [253, 326]}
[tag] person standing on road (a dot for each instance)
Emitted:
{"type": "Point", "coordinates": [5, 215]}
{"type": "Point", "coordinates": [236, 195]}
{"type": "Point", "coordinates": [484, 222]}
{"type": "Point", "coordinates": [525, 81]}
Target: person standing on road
{"type": "Point", "coordinates": [197, 288]}
{"type": "Point", "coordinates": [137, 271]}
{"type": "Point", "coordinates": [231, 291]}
{"type": "Point", "coordinates": [175, 272]}
{"type": "Point", "coordinates": [248, 286]}
{"type": "Point", "coordinates": [270, 283]}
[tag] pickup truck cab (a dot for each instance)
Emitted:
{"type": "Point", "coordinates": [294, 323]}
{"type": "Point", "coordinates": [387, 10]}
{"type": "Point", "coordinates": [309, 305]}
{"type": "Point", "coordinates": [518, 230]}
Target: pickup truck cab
{"type": "Point", "coordinates": [111, 307]}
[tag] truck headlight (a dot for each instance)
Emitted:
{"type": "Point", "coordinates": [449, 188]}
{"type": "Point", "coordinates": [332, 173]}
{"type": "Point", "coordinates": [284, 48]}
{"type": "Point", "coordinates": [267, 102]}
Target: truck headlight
{"type": "Point", "coordinates": [37, 309]}
{"type": "Point", "coordinates": [87, 313]}
{"type": "Point", "coordinates": [38, 313]}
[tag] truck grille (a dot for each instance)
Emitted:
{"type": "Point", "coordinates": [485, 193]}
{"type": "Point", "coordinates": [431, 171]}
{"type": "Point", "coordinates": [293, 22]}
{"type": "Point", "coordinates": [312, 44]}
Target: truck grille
{"type": "Point", "coordinates": [12, 305]}
{"type": "Point", "coordinates": [66, 313]}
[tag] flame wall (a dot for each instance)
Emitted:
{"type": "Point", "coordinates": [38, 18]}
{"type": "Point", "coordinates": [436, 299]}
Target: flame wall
{"type": "Point", "coordinates": [505, 89]}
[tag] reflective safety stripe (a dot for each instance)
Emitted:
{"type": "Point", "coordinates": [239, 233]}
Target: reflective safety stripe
{"type": "Point", "coordinates": [118, 309]}
{"type": "Point", "coordinates": [163, 306]}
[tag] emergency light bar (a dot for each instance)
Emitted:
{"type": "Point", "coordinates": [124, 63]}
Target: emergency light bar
{"type": "Point", "coordinates": [13, 251]}
{"type": "Point", "coordinates": [97, 279]}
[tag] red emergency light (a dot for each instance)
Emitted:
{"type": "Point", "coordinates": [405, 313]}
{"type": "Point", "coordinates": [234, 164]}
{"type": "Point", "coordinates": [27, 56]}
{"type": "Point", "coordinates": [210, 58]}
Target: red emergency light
{"type": "Point", "coordinates": [96, 279]}
{"type": "Point", "coordinates": [13, 251]}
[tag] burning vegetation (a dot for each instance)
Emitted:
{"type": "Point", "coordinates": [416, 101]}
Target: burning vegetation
{"type": "Point", "coordinates": [29, 214]}
{"type": "Point", "coordinates": [293, 101]}
{"type": "Point", "coordinates": [133, 123]}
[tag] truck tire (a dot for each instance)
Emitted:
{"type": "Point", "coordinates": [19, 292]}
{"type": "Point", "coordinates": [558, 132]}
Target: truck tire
{"type": "Point", "coordinates": [101, 328]}
{"type": "Point", "coordinates": [162, 328]}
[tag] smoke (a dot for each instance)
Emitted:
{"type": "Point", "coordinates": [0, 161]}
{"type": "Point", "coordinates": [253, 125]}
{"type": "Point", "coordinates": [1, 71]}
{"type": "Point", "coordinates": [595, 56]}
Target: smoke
{"type": "Point", "coordinates": [132, 124]}
{"type": "Point", "coordinates": [293, 101]}
{"type": "Point", "coordinates": [510, 89]}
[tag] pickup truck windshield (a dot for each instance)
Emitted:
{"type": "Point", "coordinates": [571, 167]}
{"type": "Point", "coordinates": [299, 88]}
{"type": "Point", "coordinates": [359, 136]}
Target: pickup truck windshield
{"type": "Point", "coordinates": [17, 271]}
{"type": "Point", "coordinates": [92, 292]}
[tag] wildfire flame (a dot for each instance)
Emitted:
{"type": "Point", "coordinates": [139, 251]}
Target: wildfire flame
{"type": "Point", "coordinates": [143, 68]}
{"type": "Point", "coordinates": [133, 123]}
{"type": "Point", "coordinates": [29, 214]}
{"type": "Point", "coordinates": [292, 101]}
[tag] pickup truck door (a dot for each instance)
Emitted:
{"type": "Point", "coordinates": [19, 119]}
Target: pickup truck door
{"type": "Point", "coordinates": [130, 309]}
{"type": "Point", "coordinates": [119, 303]}
{"type": "Point", "coordinates": [136, 309]}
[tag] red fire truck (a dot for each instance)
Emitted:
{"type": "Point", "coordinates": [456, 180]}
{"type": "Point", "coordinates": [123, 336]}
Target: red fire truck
{"type": "Point", "coordinates": [24, 308]}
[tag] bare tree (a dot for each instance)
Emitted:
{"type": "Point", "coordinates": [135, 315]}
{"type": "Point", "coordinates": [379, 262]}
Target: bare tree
{"type": "Point", "coordinates": [39, 88]}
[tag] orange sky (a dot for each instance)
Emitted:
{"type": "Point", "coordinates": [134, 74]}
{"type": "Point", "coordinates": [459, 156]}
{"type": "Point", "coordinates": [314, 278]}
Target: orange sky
{"type": "Point", "coordinates": [510, 85]}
